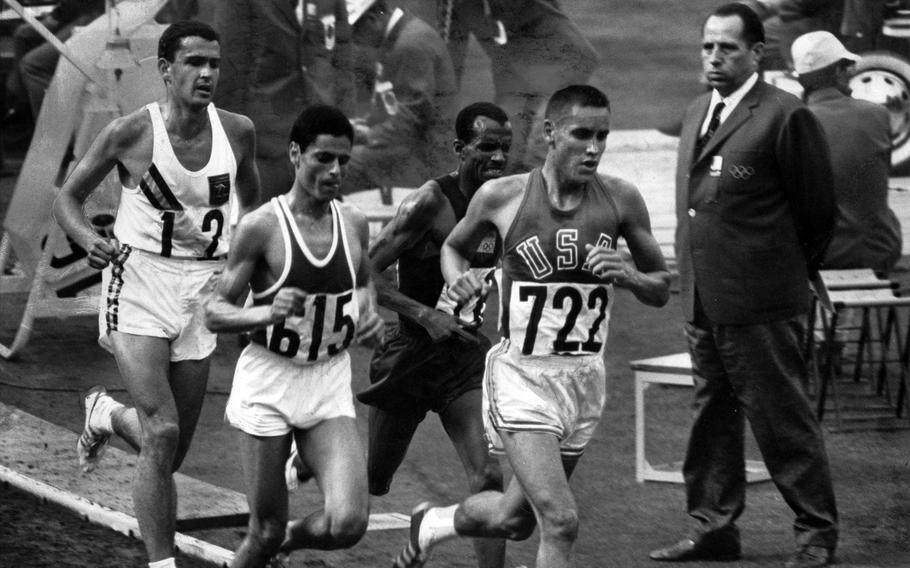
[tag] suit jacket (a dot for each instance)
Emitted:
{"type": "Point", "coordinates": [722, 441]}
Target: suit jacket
{"type": "Point", "coordinates": [754, 210]}
{"type": "Point", "coordinates": [273, 67]}
{"type": "Point", "coordinates": [867, 233]}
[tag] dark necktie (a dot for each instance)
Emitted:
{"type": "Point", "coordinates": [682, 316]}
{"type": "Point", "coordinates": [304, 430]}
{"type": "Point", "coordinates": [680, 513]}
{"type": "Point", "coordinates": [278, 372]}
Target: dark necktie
{"type": "Point", "coordinates": [712, 128]}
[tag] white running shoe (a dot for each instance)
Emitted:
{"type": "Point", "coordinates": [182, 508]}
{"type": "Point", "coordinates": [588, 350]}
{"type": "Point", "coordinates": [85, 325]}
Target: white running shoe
{"type": "Point", "coordinates": [92, 443]}
{"type": "Point", "coordinates": [295, 471]}
{"type": "Point", "coordinates": [412, 556]}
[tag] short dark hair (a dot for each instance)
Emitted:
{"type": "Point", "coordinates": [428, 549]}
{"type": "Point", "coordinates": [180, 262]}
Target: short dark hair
{"type": "Point", "coordinates": [464, 122]}
{"type": "Point", "coordinates": [582, 95]}
{"type": "Point", "coordinates": [753, 29]}
{"type": "Point", "coordinates": [320, 119]}
{"type": "Point", "coordinates": [169, 42]}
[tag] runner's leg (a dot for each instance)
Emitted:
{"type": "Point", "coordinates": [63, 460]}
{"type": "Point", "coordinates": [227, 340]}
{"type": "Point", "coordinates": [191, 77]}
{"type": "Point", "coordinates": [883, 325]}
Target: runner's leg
{"type": "Point", "coordinates": [390, 435]}
{"type": "Point", "coordinates": [463, 423]}
{"type": "Point", "coordinates": [144, 364]}
{"type": "Point", "coordinates": [333, 451]}
{"type": "Point", "coordinates": [263, 469]}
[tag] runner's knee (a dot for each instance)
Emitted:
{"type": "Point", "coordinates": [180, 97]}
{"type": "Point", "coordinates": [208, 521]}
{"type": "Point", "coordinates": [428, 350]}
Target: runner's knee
{"type": "Point", "coordinates": [346, 529]}
{"type": "Point", "coordinates": [161, 436]}
{"type": "Point", "coordinates": [518, 526]}
{"type": "Point", "coordinates": [559, 522]}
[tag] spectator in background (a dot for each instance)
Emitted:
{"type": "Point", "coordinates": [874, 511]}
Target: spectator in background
{"type": "Point", "coordinates": [534, 50]}
{"type": "Point", "coordinates": [405, 136]}
{"type": "Point", "coordinates": [867, 233]}
{"type": "Point", "coordinates": [36, 59]}
{"type": "Point", "coordinates": [279, 57]}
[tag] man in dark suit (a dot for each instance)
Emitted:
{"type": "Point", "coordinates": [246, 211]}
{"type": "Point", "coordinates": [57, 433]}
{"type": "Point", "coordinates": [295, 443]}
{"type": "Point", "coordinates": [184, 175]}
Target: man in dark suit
{"type": "Point", "coordinates": [755, 210]}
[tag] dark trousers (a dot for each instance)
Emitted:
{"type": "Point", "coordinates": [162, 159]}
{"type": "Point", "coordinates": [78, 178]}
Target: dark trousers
{"type": "Point", "coordinates": [755, 372]}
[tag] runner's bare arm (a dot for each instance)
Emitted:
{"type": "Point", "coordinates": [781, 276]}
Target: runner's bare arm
{"type": "Point", "coordinates": [412, 222]}
{"type": "Point", "coordinates": [248, 248]}
{"type": "Point", "coordinates": [485, 210]}
{"type": "Point", "coordinates": [242, 134]}
{"type": "Point", "coordinates": [109, 147]}
{"type": "Point", "coordinates": [370, 327]}
{"type": "Point", "coordinates": [647, 276]}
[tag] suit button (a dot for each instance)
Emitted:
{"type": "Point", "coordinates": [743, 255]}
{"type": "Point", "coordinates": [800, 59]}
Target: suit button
{"type": "Point", "coordinates": [691, 212]}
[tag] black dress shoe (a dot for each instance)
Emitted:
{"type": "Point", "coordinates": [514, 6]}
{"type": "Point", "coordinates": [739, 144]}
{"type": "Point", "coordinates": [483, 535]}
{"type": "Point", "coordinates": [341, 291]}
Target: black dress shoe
{"type": "Point", "coordinates": [708, 547]}
{"type": "Point", "coordinates": [810, 557]}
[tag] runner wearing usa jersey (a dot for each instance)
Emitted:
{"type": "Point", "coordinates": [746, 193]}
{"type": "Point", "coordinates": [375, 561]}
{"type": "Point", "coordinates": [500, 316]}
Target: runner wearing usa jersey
{"type": "Point", "coordinates": [544, 384]}
{"type": "Point", "coordinates": [179, 162]}
{"type": "Point", "coordinates": [304, 256]}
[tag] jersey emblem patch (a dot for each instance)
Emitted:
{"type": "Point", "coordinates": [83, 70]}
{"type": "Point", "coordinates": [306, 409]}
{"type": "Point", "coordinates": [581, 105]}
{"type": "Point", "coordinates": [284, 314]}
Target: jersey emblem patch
{"type": "Point", "coordinates": [219, 189]}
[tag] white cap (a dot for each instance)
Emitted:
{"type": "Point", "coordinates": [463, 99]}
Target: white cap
{"type": "Point", "coordinates": [815, 50]}
{"type": "Point", "coordinates": [356, 8]}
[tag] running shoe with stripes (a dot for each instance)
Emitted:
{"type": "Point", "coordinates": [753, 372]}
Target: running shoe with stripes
{"type": "Point", "coordinates": [411, 556]}
{"type": "Point", "coordinates": [91, 444]}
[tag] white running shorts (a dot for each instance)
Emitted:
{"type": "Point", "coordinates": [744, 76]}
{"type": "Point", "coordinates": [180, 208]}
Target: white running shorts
{"type": "Point", "coordinates": [272, 395]}
{"type": "Point", "coordinates": [559, 394]}
{"type": "Point", "coordinates": [148, 294]}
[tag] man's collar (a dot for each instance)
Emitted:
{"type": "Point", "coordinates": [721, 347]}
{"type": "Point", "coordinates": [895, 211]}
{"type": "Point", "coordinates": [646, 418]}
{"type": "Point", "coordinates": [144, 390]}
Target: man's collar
{"type": "Point", "coordinates": [733, 98]}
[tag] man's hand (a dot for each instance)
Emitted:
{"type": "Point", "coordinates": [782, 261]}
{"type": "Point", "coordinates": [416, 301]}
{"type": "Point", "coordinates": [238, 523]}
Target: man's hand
{"type": "Point", "coordinates": [468, 285]}
{"type": "Point", "coordinates": [287, 302]}
{"type": "Point", "coordinates": [102, 251]}
{"type": "Point", "coordinates": [440, 326]}
{"type": "Point", "coordinates": [370, 329]}
{"type": "Point", "coordinates": [608, 265]}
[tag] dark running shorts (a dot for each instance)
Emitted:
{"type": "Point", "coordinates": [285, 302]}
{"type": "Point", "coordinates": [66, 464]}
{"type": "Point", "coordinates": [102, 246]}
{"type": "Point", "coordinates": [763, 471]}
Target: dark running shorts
{"type": "Point", "coordinates": [409, 371]}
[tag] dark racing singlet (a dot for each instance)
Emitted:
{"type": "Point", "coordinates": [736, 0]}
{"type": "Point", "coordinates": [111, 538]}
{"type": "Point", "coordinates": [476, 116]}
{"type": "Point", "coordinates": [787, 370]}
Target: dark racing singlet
{"type": "Point", "coordinates": [419, 275]}
{"type": "Point", "coordinates": [330, 315]}
{"type": "Point", "coordinates": [551, 303]}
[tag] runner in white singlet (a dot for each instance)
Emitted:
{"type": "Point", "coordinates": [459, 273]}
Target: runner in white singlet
{"type": "Point", "coordinates": [180, 162]}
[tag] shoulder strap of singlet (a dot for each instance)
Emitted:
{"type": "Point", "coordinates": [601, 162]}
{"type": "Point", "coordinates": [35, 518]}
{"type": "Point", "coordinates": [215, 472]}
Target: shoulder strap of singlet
{"type": "Point", "coordinates": [458, 200]}
{"type": "Point", "coordinates": [283, 222]}
{"type": "Point", "coordinates": [524, 200]}
{"type": "Point", "coordinates": [344, 243]}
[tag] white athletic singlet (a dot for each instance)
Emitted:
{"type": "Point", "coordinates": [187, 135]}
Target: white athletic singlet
{"type": "Point", "coordinates": [175, 212]}
{"type": "Point", "coordinates": [552, 304]}
{"type": "Point", "coordinates": [331, 313]}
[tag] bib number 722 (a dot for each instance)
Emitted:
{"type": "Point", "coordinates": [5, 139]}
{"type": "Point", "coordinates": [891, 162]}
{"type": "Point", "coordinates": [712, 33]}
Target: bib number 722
{"type": "Point", "coordinates": [567, 302]}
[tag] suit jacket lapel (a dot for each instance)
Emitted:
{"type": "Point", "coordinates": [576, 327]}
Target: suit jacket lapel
{"type": "Point", "coordinates": [688, 138]}
{"type": "Point", "coordinates": [740, 114]}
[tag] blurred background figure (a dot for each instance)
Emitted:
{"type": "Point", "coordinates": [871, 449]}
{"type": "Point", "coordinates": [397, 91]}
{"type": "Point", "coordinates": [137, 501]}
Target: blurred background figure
{"type": "Point", "coordinates": [34, 60]}
{"type": "Point", "coordinates": [534, 50]}
{"type": "Point", "coordinates": [404, 137]}
{"type": "Point", "coordinates": [867, 233]}
{"type": "Point", "coordinates": [278, 57]}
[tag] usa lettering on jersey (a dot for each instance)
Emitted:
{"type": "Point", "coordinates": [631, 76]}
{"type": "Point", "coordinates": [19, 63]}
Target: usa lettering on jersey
{"type": "Point", "coordinates": [569, 252]}
{"type": "Point", "coordinates": [548, 317]}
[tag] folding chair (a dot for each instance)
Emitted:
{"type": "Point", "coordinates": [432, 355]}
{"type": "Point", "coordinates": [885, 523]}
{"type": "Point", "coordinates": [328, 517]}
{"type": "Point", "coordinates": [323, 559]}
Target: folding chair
{"type": "Point", "coordinates": [892, 349]}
